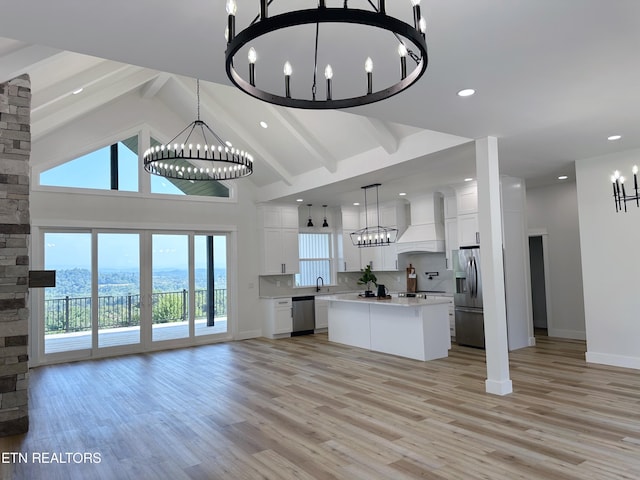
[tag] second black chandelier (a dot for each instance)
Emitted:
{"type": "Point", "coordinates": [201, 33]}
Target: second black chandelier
{"type": "Point", "coordinates": [385, 35]}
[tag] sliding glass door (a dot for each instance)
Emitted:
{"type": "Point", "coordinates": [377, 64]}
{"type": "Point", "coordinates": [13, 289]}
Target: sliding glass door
{"type": "Point", "coordinates": [170, 285]}
{"type": "Point", "coordinates": [210, 258]}
{"type": "Point", "coordinates": [118, 289]}
{"type": "Point", "coordinates": [132, 291]}
{"type": "Point", "coordinates": [68, 306]}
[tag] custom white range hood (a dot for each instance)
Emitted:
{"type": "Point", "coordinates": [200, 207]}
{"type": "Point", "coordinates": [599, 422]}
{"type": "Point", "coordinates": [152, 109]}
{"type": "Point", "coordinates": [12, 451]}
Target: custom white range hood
{"type": "Point", "coordinates": [426, 230]}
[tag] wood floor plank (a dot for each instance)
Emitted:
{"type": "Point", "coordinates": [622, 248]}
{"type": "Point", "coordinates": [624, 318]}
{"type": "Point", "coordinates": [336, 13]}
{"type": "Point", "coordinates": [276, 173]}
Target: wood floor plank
{"type": "Point", "coordinates": [305, 408]}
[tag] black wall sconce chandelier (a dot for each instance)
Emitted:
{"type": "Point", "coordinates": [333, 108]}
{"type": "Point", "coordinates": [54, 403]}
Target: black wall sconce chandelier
{"type": "Point", "coordinates": [620, 197]}
{"type": "Point", "coordinates": [404, 40]}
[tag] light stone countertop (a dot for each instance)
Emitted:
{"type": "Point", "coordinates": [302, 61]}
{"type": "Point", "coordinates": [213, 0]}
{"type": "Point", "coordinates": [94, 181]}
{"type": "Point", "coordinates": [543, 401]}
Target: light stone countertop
{"type": "Point", "coordinates": [394, 301]}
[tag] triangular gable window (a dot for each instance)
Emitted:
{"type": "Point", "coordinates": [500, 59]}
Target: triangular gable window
{"type": "Point", "coordinates": [114, 167]}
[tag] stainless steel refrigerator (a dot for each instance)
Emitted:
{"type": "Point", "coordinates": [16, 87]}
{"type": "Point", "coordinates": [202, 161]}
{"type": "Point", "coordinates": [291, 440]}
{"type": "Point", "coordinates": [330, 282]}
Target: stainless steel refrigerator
{"type": "Point", "coordinates": [468, 297]}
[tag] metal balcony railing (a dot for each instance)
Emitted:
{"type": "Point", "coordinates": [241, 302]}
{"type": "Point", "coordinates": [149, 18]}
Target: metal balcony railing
{"type": "Point", "coordinates": [73, 314]}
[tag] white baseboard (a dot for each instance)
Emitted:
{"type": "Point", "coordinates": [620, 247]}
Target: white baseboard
{"type": "Point", "coordinates": [532, 341]}
{"type": "Point", "coordinates": [572, 334]}
{"type": "Point", "coordinates": [502, 387]}
{"type": "Point", "coordinates": [613, 360]}
{"type": "Point", "coordinates": [248, 334]}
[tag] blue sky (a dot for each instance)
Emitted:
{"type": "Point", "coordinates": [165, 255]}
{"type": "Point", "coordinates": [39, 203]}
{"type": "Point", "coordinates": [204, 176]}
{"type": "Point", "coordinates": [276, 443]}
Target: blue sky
{"type": "Point", "coordinates": [118, 251]}
{"type": "Point", "coordinates": [92, 171]}
{"type": "Point", "coordinates": [121, 251]}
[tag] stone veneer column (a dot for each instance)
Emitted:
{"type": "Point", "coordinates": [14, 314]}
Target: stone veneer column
{"type": "Point", "coordinates": [15, 228]}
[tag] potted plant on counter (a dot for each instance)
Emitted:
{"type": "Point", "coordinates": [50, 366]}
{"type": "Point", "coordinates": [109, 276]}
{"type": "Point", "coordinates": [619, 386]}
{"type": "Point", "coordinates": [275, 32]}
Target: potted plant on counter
{"type": "Point", "coordinates": [367, 278]}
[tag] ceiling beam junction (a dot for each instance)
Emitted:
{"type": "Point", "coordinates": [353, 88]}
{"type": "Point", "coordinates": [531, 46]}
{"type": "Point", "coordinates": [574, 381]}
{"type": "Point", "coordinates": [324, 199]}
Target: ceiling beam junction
{"type": "Point", "coordinates": [305, 137]}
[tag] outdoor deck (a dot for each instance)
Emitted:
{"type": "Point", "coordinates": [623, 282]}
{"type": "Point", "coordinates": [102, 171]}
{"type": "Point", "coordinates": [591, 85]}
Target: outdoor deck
{"type": "Point", "coordinates": [112, 337]}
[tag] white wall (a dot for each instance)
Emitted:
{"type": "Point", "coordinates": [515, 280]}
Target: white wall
{"type": "Point", "coordinates": [554, 209]}
{"type": "Point", "coordinates": [610, 262]}
{"type": "Point", "coordinates": [516, 263]}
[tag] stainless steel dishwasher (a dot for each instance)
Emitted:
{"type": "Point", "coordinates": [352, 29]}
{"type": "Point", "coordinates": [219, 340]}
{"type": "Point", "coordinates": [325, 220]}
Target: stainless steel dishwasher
{"type": "Point", "coordinates": [304, 315]}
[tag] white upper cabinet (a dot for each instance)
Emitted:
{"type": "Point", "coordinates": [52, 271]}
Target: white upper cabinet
{"type": "Point", "coordinates": [468, 231]}
{"type": "Point", "coordinates": [450, 205]}
{"type": "Point", "coordinates": [450, 240]}
{"type": "Point", "coordinates": [348, 254]}
{"type": "Point", "coordinates": [278, 216]}
{"type": "Point", "coordinates": [278, 233]}
{"type": "Point", "coordinates": [467, 199]}
{"type": "Point", "coordinates": [467, 213]}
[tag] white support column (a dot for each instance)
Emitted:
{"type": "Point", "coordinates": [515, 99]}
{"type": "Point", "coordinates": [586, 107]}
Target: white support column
{"type": "Point", "coordinates": [491, 262]}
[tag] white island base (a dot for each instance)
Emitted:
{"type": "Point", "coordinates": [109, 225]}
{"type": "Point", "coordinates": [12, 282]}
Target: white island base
{"type": "Point", "coordinates": [408, 327]}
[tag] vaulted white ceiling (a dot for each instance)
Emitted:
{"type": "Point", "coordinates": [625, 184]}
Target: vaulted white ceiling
{"type": "Point", "coordinates": [553, 80]}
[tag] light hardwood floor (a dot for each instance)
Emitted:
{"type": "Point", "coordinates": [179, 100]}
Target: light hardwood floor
{"type": "Point", "coordinates": [303, 408]}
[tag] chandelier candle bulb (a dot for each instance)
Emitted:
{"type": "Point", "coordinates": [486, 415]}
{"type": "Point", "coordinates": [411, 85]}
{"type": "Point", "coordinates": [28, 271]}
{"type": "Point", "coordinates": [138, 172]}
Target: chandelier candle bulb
{"type": "Point", "coordinates": [368, 67]}
{"type": "Point", "coordinates": [416, 12]}
{"type": "Point", "coordinates": [402, 51]}
{"type": "Point", "coordinates": [328, 74]}
{"type": "Point", "coordinates": [422, 26]}
{"type": "Point", "coordinates": [252, 57]}
{"type": "Point", "coordinates": [231, 10]}
{"type": "Point", "coordinates": [287, 79]}
{"type": "Point", "coordinates": [263, 9]}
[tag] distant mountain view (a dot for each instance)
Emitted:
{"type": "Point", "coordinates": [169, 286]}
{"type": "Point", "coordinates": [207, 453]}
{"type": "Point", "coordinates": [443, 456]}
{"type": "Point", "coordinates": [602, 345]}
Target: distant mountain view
{"type": "Point", "coordinates": [76, 282]}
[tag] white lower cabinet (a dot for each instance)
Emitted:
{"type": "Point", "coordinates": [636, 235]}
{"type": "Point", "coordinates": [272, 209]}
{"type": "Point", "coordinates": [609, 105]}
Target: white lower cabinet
{"type": "Point", "coordinates": [452, 313]}
{"type": "Point", "coordinates": [322, 313]}
{"type": "Point", "coordinates": [278, 317]}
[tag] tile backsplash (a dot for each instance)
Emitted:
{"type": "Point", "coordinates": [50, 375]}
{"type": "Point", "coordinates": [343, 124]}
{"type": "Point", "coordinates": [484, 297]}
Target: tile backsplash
{"type": "Point", "coordinates": [283, 285]}
{"type": "Point", "coordinates": [428, 262]}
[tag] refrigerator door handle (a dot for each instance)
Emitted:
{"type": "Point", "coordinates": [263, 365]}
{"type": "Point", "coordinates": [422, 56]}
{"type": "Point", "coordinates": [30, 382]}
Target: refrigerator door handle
{"type": "Point", "coordinates": [475, 278]}
{"type": "Point", "coordinates": [468, 310]}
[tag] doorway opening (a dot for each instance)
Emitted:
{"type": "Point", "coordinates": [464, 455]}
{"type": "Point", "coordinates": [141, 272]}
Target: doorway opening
{"type": "Point", "coordinates": [539, 294]}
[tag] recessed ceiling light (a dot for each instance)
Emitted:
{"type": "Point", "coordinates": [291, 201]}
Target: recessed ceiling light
{"type": "Point", "coordinates": [402, 194]}
{"type": "Point", "coordinates": [562, 177]}
{"type": "Point", "coordinates": [467, 92]}
{"type": "Point", "coordinates": [263, 124]}
{"type": "Point", "coordinates": [614, 137]}
{"type": "Point", "coordinates": [468, 179]}
{"type": "Point", "coordinates": [355, 204]}
{"type": "Point", "coordinates": [229, 144]}
{"type": "Point", "coordinates": [76, 92]}
{"type": "Point", "coordinates": [299, 199]}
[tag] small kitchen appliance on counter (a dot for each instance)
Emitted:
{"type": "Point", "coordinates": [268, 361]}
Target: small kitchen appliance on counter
{"type": "Point", "coordinates": [412, 278]}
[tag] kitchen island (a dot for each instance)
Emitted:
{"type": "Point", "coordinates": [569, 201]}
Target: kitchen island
{"type": "Point", "coordinates": [407, 327]}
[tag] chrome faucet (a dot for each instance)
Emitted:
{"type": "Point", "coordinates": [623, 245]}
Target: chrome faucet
{"type": "Point", "coordinates": [318, 286]}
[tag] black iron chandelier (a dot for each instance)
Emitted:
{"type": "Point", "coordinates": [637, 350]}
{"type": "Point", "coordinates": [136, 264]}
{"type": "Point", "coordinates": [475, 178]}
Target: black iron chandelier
{"type": "Point", "coordinates": [375, 235]}
{"type": "Point", "coordinates": [405, 40]}
{"type": "Point", "coordinates": [182, 158]}
{"type": "Point", "coordinates": [620, 196]}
